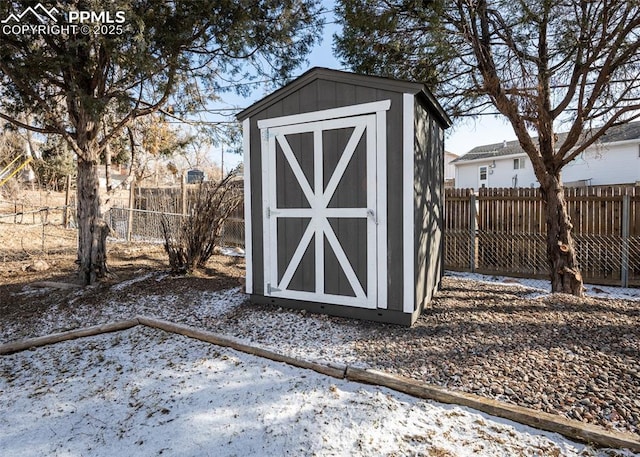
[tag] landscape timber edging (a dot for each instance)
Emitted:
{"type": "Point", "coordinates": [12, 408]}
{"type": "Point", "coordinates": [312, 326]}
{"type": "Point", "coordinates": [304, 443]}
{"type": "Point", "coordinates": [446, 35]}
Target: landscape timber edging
{"type": "Point", "coordinates": [17, 346]}
{"type": "Point", "coordinates": [580, 431]}
{"type": "Point", "coordinates": [586, 433]}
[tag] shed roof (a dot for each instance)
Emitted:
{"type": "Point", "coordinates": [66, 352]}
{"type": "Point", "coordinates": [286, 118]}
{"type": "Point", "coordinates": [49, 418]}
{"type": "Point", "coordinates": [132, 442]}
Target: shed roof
{"type": "Point", "coordinates": [614, 134]}
{"type": "Point", "coordinates": [414, 88]}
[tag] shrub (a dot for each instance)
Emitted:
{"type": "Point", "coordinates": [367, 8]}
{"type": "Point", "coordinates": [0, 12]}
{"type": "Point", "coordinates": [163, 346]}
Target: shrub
{"type": "Point", "coordinates": [190, 240]}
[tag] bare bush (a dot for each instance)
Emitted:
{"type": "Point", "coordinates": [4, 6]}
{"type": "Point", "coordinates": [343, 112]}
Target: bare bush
{"type": "Point", "coordinates": [190, 240]}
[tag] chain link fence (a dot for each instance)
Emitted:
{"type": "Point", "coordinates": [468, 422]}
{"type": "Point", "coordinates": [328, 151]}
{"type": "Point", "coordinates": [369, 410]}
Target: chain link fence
{"type": "Point", "coordinates": [141, 219]}
{"type": "Point", "coordinates": [146, 225]}
{"type": "Point", "coordinates": [603, 259]}
{"type": "Point", "coordinates": [610, 259]}
{"type": "Point", "coordinates": [34, 226]}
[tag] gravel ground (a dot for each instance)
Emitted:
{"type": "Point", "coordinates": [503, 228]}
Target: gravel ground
{"type": "Point", "coordinates": [559, 354]}
{"type": "Point", "coordinates": [145, 392]}
{"type": "Point", "coordinates": [579, 358]}
{"type": "Point", "coordinates": [574, 357]}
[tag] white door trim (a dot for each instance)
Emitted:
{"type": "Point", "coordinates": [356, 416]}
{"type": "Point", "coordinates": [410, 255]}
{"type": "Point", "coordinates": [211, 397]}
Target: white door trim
{"type": "Point", "coordinates": [327, 114]}
{"type": "Point", "coordinates": [373, 126]}
{"type": "Point", "coordinates": [248, 243]}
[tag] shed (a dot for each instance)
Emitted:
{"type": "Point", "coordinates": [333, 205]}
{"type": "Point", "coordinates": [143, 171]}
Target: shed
{"type": "Point", "coordinates": [344, 196]}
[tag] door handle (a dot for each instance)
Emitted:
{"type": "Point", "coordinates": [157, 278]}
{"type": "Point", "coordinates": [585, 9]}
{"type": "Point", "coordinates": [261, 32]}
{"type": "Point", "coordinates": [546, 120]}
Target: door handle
{"type": "Point", "coordinates": [372, 214]}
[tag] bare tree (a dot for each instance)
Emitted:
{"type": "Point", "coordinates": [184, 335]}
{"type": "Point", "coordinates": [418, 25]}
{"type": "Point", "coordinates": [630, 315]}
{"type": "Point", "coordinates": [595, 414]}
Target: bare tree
{"type": "Point", "coordinates": [545, 65]}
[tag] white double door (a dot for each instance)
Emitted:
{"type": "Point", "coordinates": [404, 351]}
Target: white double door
{"type": "Point", "coordinates": [321, 209]}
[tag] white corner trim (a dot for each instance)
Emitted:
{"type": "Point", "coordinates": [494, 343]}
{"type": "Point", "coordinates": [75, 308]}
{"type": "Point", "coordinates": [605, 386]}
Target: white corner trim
{"type": "Point", "coordinates": [265, 143]}
{"type": "Point", "coordinates": [323, 115]}
{"type": "Point", "coordinates": [408, 217]}
{"type": "Point", "coordinates": [381, 212]}
{"type": "Point", "coordinates": [248, 246]}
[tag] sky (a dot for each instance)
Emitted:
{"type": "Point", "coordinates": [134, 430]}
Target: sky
{"type": "Point", "coordinates": [459, 139]}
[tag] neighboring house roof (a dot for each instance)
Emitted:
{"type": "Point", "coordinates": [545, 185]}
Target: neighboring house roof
{"type": "Point", "coordinates": [617, 133]}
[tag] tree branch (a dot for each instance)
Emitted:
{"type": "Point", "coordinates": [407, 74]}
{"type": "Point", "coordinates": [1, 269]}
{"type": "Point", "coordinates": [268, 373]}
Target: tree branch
{"type": "Point", "coordinates": [32, 128]}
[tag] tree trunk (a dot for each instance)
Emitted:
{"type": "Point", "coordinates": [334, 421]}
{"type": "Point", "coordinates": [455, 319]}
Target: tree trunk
{"type": "Point", "coordinates": [92, 229]}
{"type": "Point", "coordinates": [565, 274]}
{"type": "Point", "coordinates": [107, 167]}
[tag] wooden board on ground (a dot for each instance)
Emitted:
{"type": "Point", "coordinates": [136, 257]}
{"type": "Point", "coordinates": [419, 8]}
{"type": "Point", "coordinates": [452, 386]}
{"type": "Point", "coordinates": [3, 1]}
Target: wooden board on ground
{"type": "Point", "coordinates": [572, 429]}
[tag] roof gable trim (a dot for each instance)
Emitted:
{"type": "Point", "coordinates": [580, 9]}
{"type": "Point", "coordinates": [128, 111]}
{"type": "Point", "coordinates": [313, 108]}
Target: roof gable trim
{"type": "Point", "coordinates": [616, 135]}
{"type": "Point", "coordinates": [340, 76]}
{"type": "Point", "coordinates": [489, 159]}
{"type": "Point", "coordinates": [333, 113]}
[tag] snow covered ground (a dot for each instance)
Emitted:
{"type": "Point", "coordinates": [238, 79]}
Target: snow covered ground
{"type": "Point", "coordinates": [540, 287]}
{"type": "Point", "coordinates": [145, 392]}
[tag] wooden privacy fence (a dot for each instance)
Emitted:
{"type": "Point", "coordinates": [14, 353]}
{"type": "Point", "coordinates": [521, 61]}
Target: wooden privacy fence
{"type": "Point", "coordinates": [503, 231]}
{"type": "Point", "coordinates": [142, 218]}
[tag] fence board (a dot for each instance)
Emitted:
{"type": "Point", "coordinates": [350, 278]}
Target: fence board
{"type": "Point", "coordinates": [508, 233]}
{"type": "Point", "coordinates": [510, 238]}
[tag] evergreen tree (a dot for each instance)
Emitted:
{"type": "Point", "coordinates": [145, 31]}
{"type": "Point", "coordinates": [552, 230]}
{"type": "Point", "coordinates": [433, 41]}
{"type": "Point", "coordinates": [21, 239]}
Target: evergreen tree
{"type": "Point", "coordinates": [128, 59]}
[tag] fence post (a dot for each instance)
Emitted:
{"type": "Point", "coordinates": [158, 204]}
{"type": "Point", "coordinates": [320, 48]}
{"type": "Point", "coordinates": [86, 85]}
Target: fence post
{"type": "Point", "coordinates": [183, 193]}
{"type": "Point", "coordinates": [132, 202]}
{"type": "Point", "coordinates": [472, 232]}
{"type": "Point", "coordinates": [624, 274]}
{"type": "Point", "coordinates": [67, 200]}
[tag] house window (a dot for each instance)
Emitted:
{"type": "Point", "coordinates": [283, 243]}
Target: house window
{"type": "Point", "coordinates": [483, 178]}
{"type": "Point", "coordinates": [518, 163]}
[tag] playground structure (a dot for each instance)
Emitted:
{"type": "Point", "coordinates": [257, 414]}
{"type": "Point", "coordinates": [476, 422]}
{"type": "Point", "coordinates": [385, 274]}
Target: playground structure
{"type": "Point", "coordinates": [14, 167]}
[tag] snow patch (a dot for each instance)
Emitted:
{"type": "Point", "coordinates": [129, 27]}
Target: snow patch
{"type": "Point", "coordinates": [144, 392]}
{"type": "Point", "coordinates": [541, 287]}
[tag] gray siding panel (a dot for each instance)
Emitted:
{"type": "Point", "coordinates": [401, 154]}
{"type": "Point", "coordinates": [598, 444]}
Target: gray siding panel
{"type": "Point", "coordinates": [428, 204]}
{"type": "Point", "coordinates": [322, 94]}
{"type": "Point", "coordinates": [351, 191]}
{"type": "Point", "coordinates": [304, 277]}
{"type": "Point", "coordinates": [394, 201]}
{"type": "Point", "coordinates": [345, 94]}
{"type": "Point", "coordinates": [291, 104]}
{"type": "Point", "coordinates": [308, 100]}
{"type": "Point", "coordinates": [326, 93]}
{"type": "Point", "coordinates": [256, 204]}
{"type": "Point", "coordinates": [289, 193]}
